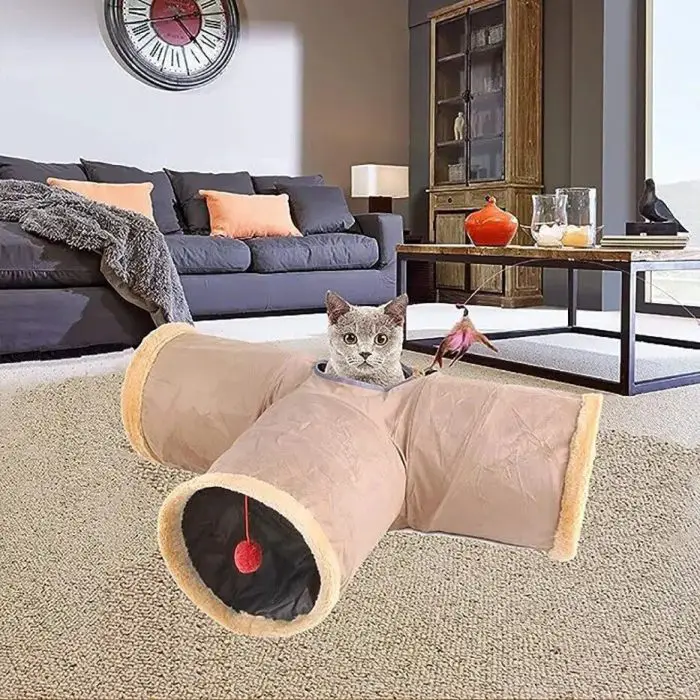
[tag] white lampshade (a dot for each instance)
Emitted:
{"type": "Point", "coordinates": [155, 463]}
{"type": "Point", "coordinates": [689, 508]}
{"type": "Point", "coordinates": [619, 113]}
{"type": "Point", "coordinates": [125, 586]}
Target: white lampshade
{"type": "Point", "coordinates": [380, 181]}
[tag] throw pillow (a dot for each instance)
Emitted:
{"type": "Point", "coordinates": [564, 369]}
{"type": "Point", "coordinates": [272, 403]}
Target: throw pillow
{"type": "Point", "coordinates": [249, 215]}
{"type": "Point", "coordinates": [267, 184]}
{"type": "Point", "coordinates": [194, 208]}
{"type": "Point", "coordinates": [22, 169]}
{"type": "Point", "coordinates": [162, 196]}
{"type": "Point", "coordinates": [318, 208]}
{"type": "Point", "coordinates": [134, 197]}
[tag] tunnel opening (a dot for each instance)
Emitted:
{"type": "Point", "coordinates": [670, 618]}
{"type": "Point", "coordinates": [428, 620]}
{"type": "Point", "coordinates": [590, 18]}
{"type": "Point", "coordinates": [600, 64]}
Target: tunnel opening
{"type": "Point", "coordinates": [287, 583]}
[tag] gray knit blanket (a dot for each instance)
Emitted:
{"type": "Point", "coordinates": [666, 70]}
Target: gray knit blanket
{"type": "Point", "coordinates": [136, 261]}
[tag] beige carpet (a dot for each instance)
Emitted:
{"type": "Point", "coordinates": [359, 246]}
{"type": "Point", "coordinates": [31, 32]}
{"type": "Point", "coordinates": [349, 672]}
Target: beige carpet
{"type": "Point", "coordinates": [88, 611]}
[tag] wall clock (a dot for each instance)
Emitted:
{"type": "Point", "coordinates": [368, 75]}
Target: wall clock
{"type": "Point", "coordinates": [174, 44]}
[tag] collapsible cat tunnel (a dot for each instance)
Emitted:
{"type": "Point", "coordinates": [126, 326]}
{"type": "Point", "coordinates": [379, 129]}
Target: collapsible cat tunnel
{"type": "Point", "coordinates": [316, 469]}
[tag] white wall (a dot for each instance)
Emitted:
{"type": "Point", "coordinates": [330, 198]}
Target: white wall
{"type": "Point", "coordinates": [315, 85]}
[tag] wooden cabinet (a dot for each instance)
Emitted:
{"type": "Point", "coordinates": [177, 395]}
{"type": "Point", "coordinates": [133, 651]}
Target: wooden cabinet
{"type": "Point", "coordinates": [420, 275]}
{"type": "Point", "coordinates": [449, 228]}
{"type": "Point", "coordinates": [486, 135]}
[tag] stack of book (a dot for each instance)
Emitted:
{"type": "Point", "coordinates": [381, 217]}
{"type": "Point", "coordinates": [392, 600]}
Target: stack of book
{"type": "Point", "coordinates": [646, 242]}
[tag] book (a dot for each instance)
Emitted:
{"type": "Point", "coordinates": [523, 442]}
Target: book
{"type": "Point", "coordinates": [662, 242]}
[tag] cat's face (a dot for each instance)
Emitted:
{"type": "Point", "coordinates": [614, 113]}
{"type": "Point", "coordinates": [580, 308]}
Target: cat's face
{"type": "Point", "coordinates": [365, 340]}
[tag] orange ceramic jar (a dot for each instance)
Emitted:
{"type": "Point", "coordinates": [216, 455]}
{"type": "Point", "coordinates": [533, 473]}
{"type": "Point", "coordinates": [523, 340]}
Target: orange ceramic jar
{"type": "Point", "coordinates": [491, 226]}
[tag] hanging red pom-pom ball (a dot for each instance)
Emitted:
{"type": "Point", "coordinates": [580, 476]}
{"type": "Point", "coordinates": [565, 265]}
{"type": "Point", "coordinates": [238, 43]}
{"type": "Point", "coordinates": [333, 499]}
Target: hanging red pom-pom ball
{"type": "Point", "coordinates": [247, 556]}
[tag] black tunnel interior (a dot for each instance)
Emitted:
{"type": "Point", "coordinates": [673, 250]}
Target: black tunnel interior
{"type": "Point", "coordinates": [287, 583]}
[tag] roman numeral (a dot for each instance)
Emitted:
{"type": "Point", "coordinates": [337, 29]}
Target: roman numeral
{"type": "Point", "coordinates": [141, 29]}
{"type": "Point", "coordinates": [144, 44]}
{"type": "Point", "coordinates": [138, 11]}
{"type": "Point", "coordinates": [196, 57]}
{"type": "Point", "coordinates": [192, 56]}
{"type": "Point", "coordinates": [157, 50]}
{"type": "Point", "coordinates": [211, 23]}
{"type": "Point", "coordinates": [208, 4]}
{"type": "Point", "coordinates": [208, 41]}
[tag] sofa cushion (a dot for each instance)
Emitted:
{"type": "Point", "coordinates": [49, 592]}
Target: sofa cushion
{"type": "Point", "coordinates": [193, 205]}
{"type": "Point", "coordinates": [334, 251]}
{"type": "Point", "coordinates": [163, 197]}
{"type": "Point", "coordinates": [28, 261]}
{"type": "Point", "coordinates": [267, 184]}
{"type": "Point", "coordinates": [22, 169]}
{"type": "Point", "coordinates": [134, 197]}
{"type": "Point", "coordinates": [203, 255]}
{"type": "Point", "coordinates": [249, 215]}
{"type": "Point", "coordinates": [318, 208]}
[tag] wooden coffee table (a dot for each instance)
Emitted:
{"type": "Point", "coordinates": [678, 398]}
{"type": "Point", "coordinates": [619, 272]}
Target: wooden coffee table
{"type": "Point", "coordinates": [631, 263]}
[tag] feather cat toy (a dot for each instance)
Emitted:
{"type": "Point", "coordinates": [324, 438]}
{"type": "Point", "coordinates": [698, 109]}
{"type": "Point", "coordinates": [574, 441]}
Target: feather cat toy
{"type": "Point", "coordinates": [460, 338]}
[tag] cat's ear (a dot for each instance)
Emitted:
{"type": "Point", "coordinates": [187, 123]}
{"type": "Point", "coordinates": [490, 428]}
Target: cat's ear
{"type": "Point", "coordinates": [336, 306]}
{"type": "Point", "coordinates": [396, 309]}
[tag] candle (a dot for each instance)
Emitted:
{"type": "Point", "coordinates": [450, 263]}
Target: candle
{"type": "Point", "coordinates": [578, 236]}
{"type": "Point", "coordinates": [549, 236]}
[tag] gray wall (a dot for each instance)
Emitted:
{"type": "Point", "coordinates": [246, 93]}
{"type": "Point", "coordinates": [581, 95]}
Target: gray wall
{"type": "Point", "coordinates": [591, 115]}
{"type": "Point", "coordinates": [579, 96]}
{"type": "Point", "coordinates": [419, 120]}
{"type": "Point", "coordinates": [302, 93]}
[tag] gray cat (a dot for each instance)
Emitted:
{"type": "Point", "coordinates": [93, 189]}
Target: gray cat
{"type": "Point", "coordinates": [366, 341]}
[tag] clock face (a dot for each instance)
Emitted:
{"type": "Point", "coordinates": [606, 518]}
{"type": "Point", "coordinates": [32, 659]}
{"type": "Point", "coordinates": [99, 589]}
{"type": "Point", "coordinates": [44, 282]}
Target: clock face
{"type": "Point", "coordinates": [174, 44]}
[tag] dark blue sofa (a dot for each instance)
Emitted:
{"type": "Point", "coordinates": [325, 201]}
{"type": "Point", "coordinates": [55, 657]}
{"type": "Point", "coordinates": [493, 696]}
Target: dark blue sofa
{"type": "Point", "coordinates": [53, 298]}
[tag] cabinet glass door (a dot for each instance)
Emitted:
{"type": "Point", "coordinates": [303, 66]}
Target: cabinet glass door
{"type": "Point", "coordinates": [450, 102]}
{"type": "Point", "coordinates": [486, 65]}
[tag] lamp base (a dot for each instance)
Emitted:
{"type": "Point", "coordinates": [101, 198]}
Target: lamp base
{"type": "Point", "coordinates": [380, 205]}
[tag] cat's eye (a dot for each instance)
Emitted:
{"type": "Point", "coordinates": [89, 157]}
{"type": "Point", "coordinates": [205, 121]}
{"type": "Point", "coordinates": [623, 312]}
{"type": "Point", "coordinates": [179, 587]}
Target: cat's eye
{"type": "Point", "coordinates": [350, 338]}
{"type": "Point", "coordinates": [381, 339]}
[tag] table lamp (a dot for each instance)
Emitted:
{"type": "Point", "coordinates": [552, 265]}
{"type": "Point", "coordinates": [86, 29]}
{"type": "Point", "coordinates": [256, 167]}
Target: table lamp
{"type": "Point", "coordinates": [380, 184]}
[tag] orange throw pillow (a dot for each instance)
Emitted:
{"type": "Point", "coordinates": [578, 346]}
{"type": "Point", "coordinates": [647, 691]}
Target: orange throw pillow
{"type": "Point", "coordinates": [249, 215]}
{"type": "Point", "coordinates": [135, 197]}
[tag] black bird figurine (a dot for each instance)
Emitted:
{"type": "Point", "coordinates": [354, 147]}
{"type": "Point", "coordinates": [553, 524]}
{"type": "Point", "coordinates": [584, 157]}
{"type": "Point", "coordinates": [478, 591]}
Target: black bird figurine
{"type": "Point", "coordinates": [654, 209]}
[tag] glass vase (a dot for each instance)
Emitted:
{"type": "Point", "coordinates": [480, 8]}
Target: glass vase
{"type": "Point", "coordinates": [548, 219]}
{"type": "Point", "coordinates": [581, 216]}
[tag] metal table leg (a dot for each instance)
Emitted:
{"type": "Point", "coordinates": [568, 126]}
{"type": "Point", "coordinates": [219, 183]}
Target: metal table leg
{"type": "Point", "coordinates": [401, 275]}
{"type": "Point", "coordinates": [572, 296]}
{"type": "Point", "coordinates": [628, 311]}
{"type": "Point", "coordinates": [402, 284]}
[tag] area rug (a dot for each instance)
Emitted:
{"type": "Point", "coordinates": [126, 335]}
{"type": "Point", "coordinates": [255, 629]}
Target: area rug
{"type": "Point", "coordinates": [87, 609]}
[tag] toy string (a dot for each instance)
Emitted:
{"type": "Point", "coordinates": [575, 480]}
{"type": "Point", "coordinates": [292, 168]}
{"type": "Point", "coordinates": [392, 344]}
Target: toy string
{"type": "Point", "coordinates": [245, 515]}
{"type": "Point", "coordinates": [599, 264]}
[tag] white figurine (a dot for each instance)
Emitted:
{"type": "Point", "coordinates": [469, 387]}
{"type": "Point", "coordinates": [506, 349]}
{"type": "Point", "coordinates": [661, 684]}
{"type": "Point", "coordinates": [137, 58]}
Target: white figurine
{"type": "Point", "coordinates": [459, 126]}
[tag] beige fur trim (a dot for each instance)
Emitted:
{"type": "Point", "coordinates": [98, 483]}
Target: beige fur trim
{"type": "Point", "coordinates": [135, 381]}
{"type": "Point", "coordinates": [174, 551]}
{"type": "Point", "coordinates": [577, 479]}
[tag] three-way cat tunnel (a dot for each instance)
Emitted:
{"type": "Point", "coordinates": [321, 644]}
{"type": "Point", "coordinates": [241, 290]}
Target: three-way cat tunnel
{"type": "Point", "coordinates": [299, 475]}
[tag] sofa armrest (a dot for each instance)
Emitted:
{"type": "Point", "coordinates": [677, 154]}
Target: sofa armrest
{"type": "Point", "coordinates": [387, 230]}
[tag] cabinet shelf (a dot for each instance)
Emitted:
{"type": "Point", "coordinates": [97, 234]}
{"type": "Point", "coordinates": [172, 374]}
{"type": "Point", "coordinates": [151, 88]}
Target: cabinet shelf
{"type": "Point", "coordinates": [459, 56]}
{"type": "Point", "coordinates": [451, 101]}
{"type": "Point", "coordinates": [473, 140]}
{"type": "Point", "coordinates": [449, 144]}
{"type": "Point", "coordinates": [486, 139]}
{"type": "Point", "coordinates": [486, 95]}
{"type": "Point", "coordinates": [487, 49]}
{"type": "Point", "coordinates": [474, 97]}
